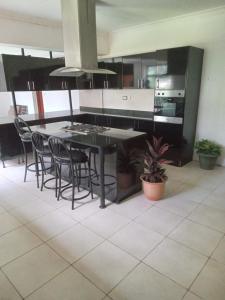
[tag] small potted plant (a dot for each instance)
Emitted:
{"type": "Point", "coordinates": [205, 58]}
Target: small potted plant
{"type": "Point", "coordinates": [208, 153]}
{"type": "Point", "coordinates": [154, 176]}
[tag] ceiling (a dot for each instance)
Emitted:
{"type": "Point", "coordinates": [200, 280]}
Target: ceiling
{"type": "Point", "coordinates": [112, 14]}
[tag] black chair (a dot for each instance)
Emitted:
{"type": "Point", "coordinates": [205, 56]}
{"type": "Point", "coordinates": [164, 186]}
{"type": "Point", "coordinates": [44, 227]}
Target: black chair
{"type": "Point", "coordinates": [25, 134]}
{"type": "Point", "coordinates": [67, 163]}
{"type": "Point", "coordinates": [40, 145]}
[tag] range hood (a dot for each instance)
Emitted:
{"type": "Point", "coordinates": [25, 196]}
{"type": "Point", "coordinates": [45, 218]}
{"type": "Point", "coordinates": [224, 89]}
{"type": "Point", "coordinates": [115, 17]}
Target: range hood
{"type": "Point", "coordinates": [80, 41]}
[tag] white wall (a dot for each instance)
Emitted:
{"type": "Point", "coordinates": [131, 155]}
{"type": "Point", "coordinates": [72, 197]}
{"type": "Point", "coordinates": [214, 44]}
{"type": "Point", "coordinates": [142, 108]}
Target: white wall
{"type": "Point", "coordinates": [38, 33]}
{"type": "Point", "coordinates": [6, 103]}
{"type": "Point", "coordinates": [205, 30]}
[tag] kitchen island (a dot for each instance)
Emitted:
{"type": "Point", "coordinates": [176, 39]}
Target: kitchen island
{"type": "Point", "coordinates": [115, 150]}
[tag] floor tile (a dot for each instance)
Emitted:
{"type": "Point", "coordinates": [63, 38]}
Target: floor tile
{"type": "Point", "coordinates": [81, 211]}
{"type": "Point", "coordinates": [16, 243]}
{"type": "Point", "coordinates": [192, 192]}
{"type": "Point", "coordinates": [209, 216]}
{"type": "Point", "coordinates": [197, 237]}
{"type": "Point", "coordinates": [50, 225]}
{"type": "Point", "coordinates": [31, 211]}
{"type": "Point", "coordinates": [7, 291]}
{"type": "Point", "coordinates": [191, 296]}
{"type": "Point", "coordinates": [105, 222]}
{"type": "Point", "coordinates": [171, 259]}
{"type": "Point", "coordinates": [210, 283]}
{"type": "Point", "coordinates": [159, 220]}
{"type": "Point", "coordinates": [2, 210]}
{"type": "Point", "coordinates": [216, 201]}
{"type": "Point", "coordinates": [35, 268]}
{"type": "Point", "coordinates": [75, 242]}
{"type": "Point", "coordinates": [136, 240]}
{"type": "Point", "coordinates": [106, 265]}
{"type": "Point", "coordinates": [8, 223]}
{"type": "Point", "coordinates": [219, 253]}
{"type": "Point", "coordinates": [132, 207]}
{"type": "Point", "coordinates": [69, 285]}
{"type": "Point", "coordinates": [176, 204]}
{"type": "Point", "coordinates": [144, 283]}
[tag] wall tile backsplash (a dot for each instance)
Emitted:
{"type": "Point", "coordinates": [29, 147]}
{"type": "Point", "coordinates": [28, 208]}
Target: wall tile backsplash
{"type": "Point", "coordinates": [128, 99]}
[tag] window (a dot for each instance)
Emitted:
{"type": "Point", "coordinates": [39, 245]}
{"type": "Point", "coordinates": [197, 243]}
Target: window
{"type": "Point", "coordinates": [37, 53]}
{"type": "Point", "coordinates": [4, 49]}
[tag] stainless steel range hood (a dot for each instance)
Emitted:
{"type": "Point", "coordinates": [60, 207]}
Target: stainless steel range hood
{"type": "Point", "coordinates": [80, 41]}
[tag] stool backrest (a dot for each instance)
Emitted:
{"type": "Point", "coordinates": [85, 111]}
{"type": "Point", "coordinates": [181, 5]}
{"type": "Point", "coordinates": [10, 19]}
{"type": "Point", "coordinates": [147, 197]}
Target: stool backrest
{"type": "Point", "coordinates": [59, 150]}
{"type": "Point", "coordinates": [21, 126]}
{"type": "Point", "coordinates": [40, 142]}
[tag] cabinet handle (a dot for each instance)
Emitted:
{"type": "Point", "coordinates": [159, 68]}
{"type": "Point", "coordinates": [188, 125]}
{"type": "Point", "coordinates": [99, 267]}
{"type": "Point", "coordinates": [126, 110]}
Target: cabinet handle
{"type": "Point", "coordinates": [107, 84]}
{"type": "Point", "coordinates": [90, 84]}
{"type": "Point", "coordinates": [33, 85]}
{"type": "Point", "coordinates": [143, 83]}
{"type": "Point", "coordinates": [139, 86]}
{"type": "Point", "coordinates": [104, 84]}
{"type": "Point", "coordinates": [157, 83]}
{"type": "Point", "coordinates": [65, 84]}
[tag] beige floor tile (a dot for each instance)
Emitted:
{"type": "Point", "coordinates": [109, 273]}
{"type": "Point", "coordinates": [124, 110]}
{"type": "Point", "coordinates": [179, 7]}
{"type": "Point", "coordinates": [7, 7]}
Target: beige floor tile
{"type": "Point", "coordinates": [106, 265]}
{"type": "Point", "coordinates": [16, 243]}
{"type": "Point", "coordinates": [178, 205]}
{"type": "Point", "coordinates": [209, 216]}
{"type": "Point", "coordinates": [81, 211]}
{"type": "Point", "coordinates": [28, 213]}
{"type": "Point", "coordinates": [8, 223]}
{"type": "Point", "coordinates": [132, 207]}
{"type": "Point", "coordinates": [176, 261]}
{"type": "Point", "coordinates": [219, 253]}
{"type": "Point", "coordinates": [216, 201]}
{"type": "Point", "coordinates": [197, 237]}
{"type": "Point", "coordinates": [32, 270]}
{"type": "Point", "coordinates": [75, 242]}
{"type": "Point", "coordinates": [2, 210]}
{"type": "Point", "coordinates": [192, 192]}
{"type": "Point", "coordinates": [51, 225]}
{"type": "Point", "coordinates": [136, 240]}
{"type": "Point", "coordinates": [210, 283]}
{"type": "Point", "coordinates": [144, 283]}
{"type": "Point", "coordinates": [105, 222]}
{"type": "Point", "coordinates": [7, 291]}
{"type": "Point", "coordinates": [69, 285]}
{"type": "Point", "coordinates": [159, 220]}
{"type": "Point", "coordinates": [191, 296]}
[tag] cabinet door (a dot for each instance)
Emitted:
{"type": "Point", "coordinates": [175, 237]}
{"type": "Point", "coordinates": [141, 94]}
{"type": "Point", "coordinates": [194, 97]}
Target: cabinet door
{"type": "Point", "coordinates": [172, 61]}
{"type": "Point", "coordinates": [132, 73]}
{"type": "Point", "coordinates": [149, 70]}
{"type": "Point", "coordinates": [99, 80]}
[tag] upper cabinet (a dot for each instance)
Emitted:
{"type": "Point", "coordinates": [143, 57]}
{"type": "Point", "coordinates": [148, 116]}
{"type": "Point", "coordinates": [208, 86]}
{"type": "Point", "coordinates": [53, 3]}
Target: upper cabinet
{"type": "Point", "coordinates": [172, 61]}
{"type": "Point", "coordinates": [139, 71]}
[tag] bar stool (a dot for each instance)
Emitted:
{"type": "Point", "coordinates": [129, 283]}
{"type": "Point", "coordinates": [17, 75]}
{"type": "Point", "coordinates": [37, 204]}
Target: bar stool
{"type": "Point", "coordinates": [94, 153]}
{"type": "Point", "coordinates": [25, 134]}
{"type": "Point", "coordinates": [69, 159]}
{"type": "Point", "coordinates": [40, 145]}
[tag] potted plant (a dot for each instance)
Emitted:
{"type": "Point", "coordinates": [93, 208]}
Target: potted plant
{"type": "Point", "coordinates": [208, 152]}
{"type": "Point", "coordinates": [128, 164]}
{"type": "Point", "coordinates": [154, 176]}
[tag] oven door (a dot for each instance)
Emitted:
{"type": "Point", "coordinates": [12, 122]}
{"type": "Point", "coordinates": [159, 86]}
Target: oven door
{"type": "Point", "coordinates": [170, 82]}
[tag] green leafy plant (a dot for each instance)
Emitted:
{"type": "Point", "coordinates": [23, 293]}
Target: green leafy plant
{"type": "Point", "coordinates": [153, 170]}
{"type": "Point", "coordinates": [205, 146]}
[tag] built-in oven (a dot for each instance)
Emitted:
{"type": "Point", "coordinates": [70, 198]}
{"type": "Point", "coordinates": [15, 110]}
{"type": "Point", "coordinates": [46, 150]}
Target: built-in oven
{"type": "Point", "coordinates": [169, 106]}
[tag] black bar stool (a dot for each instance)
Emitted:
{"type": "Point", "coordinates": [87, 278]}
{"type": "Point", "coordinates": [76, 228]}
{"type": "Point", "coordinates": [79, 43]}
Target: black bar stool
{"type": "Point", "coordinates": [68, 160]}
{"type": "Point", "coordinates": [25, 134]}
{"type": "Point", "coordinates": [40, 145]}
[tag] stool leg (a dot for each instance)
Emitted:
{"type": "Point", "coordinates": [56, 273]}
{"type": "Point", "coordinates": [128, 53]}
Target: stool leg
{"type": "Point", "coordinates": [95, 166]}
{"type": "Point", "coordinates": [89, 179]}
{"type": "Point", "coordinates": [56, 180]}
{"type": "Point", "coordinates": [73, 186]}
{"type": "Point", "coordinates": [60, 181]}
{"type": "Point", "coordinates": [25, 153]}
{"type": "Point", "coordinates": [42, 172]}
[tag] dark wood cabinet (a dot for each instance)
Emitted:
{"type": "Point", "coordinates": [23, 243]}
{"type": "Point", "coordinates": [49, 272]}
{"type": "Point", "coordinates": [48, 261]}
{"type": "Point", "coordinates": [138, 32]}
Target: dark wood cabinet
{"type": "Point", "coordinates": [172, 61]}
{"type": "Point", "coordinates": [139, 71]}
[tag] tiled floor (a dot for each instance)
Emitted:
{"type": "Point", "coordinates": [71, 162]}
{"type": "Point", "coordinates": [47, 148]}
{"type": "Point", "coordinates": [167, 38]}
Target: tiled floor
{"type": "Point", "coordinates": [172, 249]}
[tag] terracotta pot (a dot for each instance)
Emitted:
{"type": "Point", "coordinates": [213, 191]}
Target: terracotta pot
{"type": "Point", "coordinates": [125, 180]}
{"type": "Point", "coordinates": [153, 191]}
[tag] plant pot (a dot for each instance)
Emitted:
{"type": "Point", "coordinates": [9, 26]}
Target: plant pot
{"type": "Point", "coordinates": [125, 180]}
{"type": "Point", "coordinates": [153, 191]}
{"type": "Point", "coordinates": [207, 161]}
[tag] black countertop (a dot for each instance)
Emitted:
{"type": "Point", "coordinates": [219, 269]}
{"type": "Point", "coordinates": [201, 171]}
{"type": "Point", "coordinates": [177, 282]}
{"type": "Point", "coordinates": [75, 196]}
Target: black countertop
{"type": "Point", "coordinates": [109, 137]}
{"type": "Point", "coordinates": [65, 113]}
